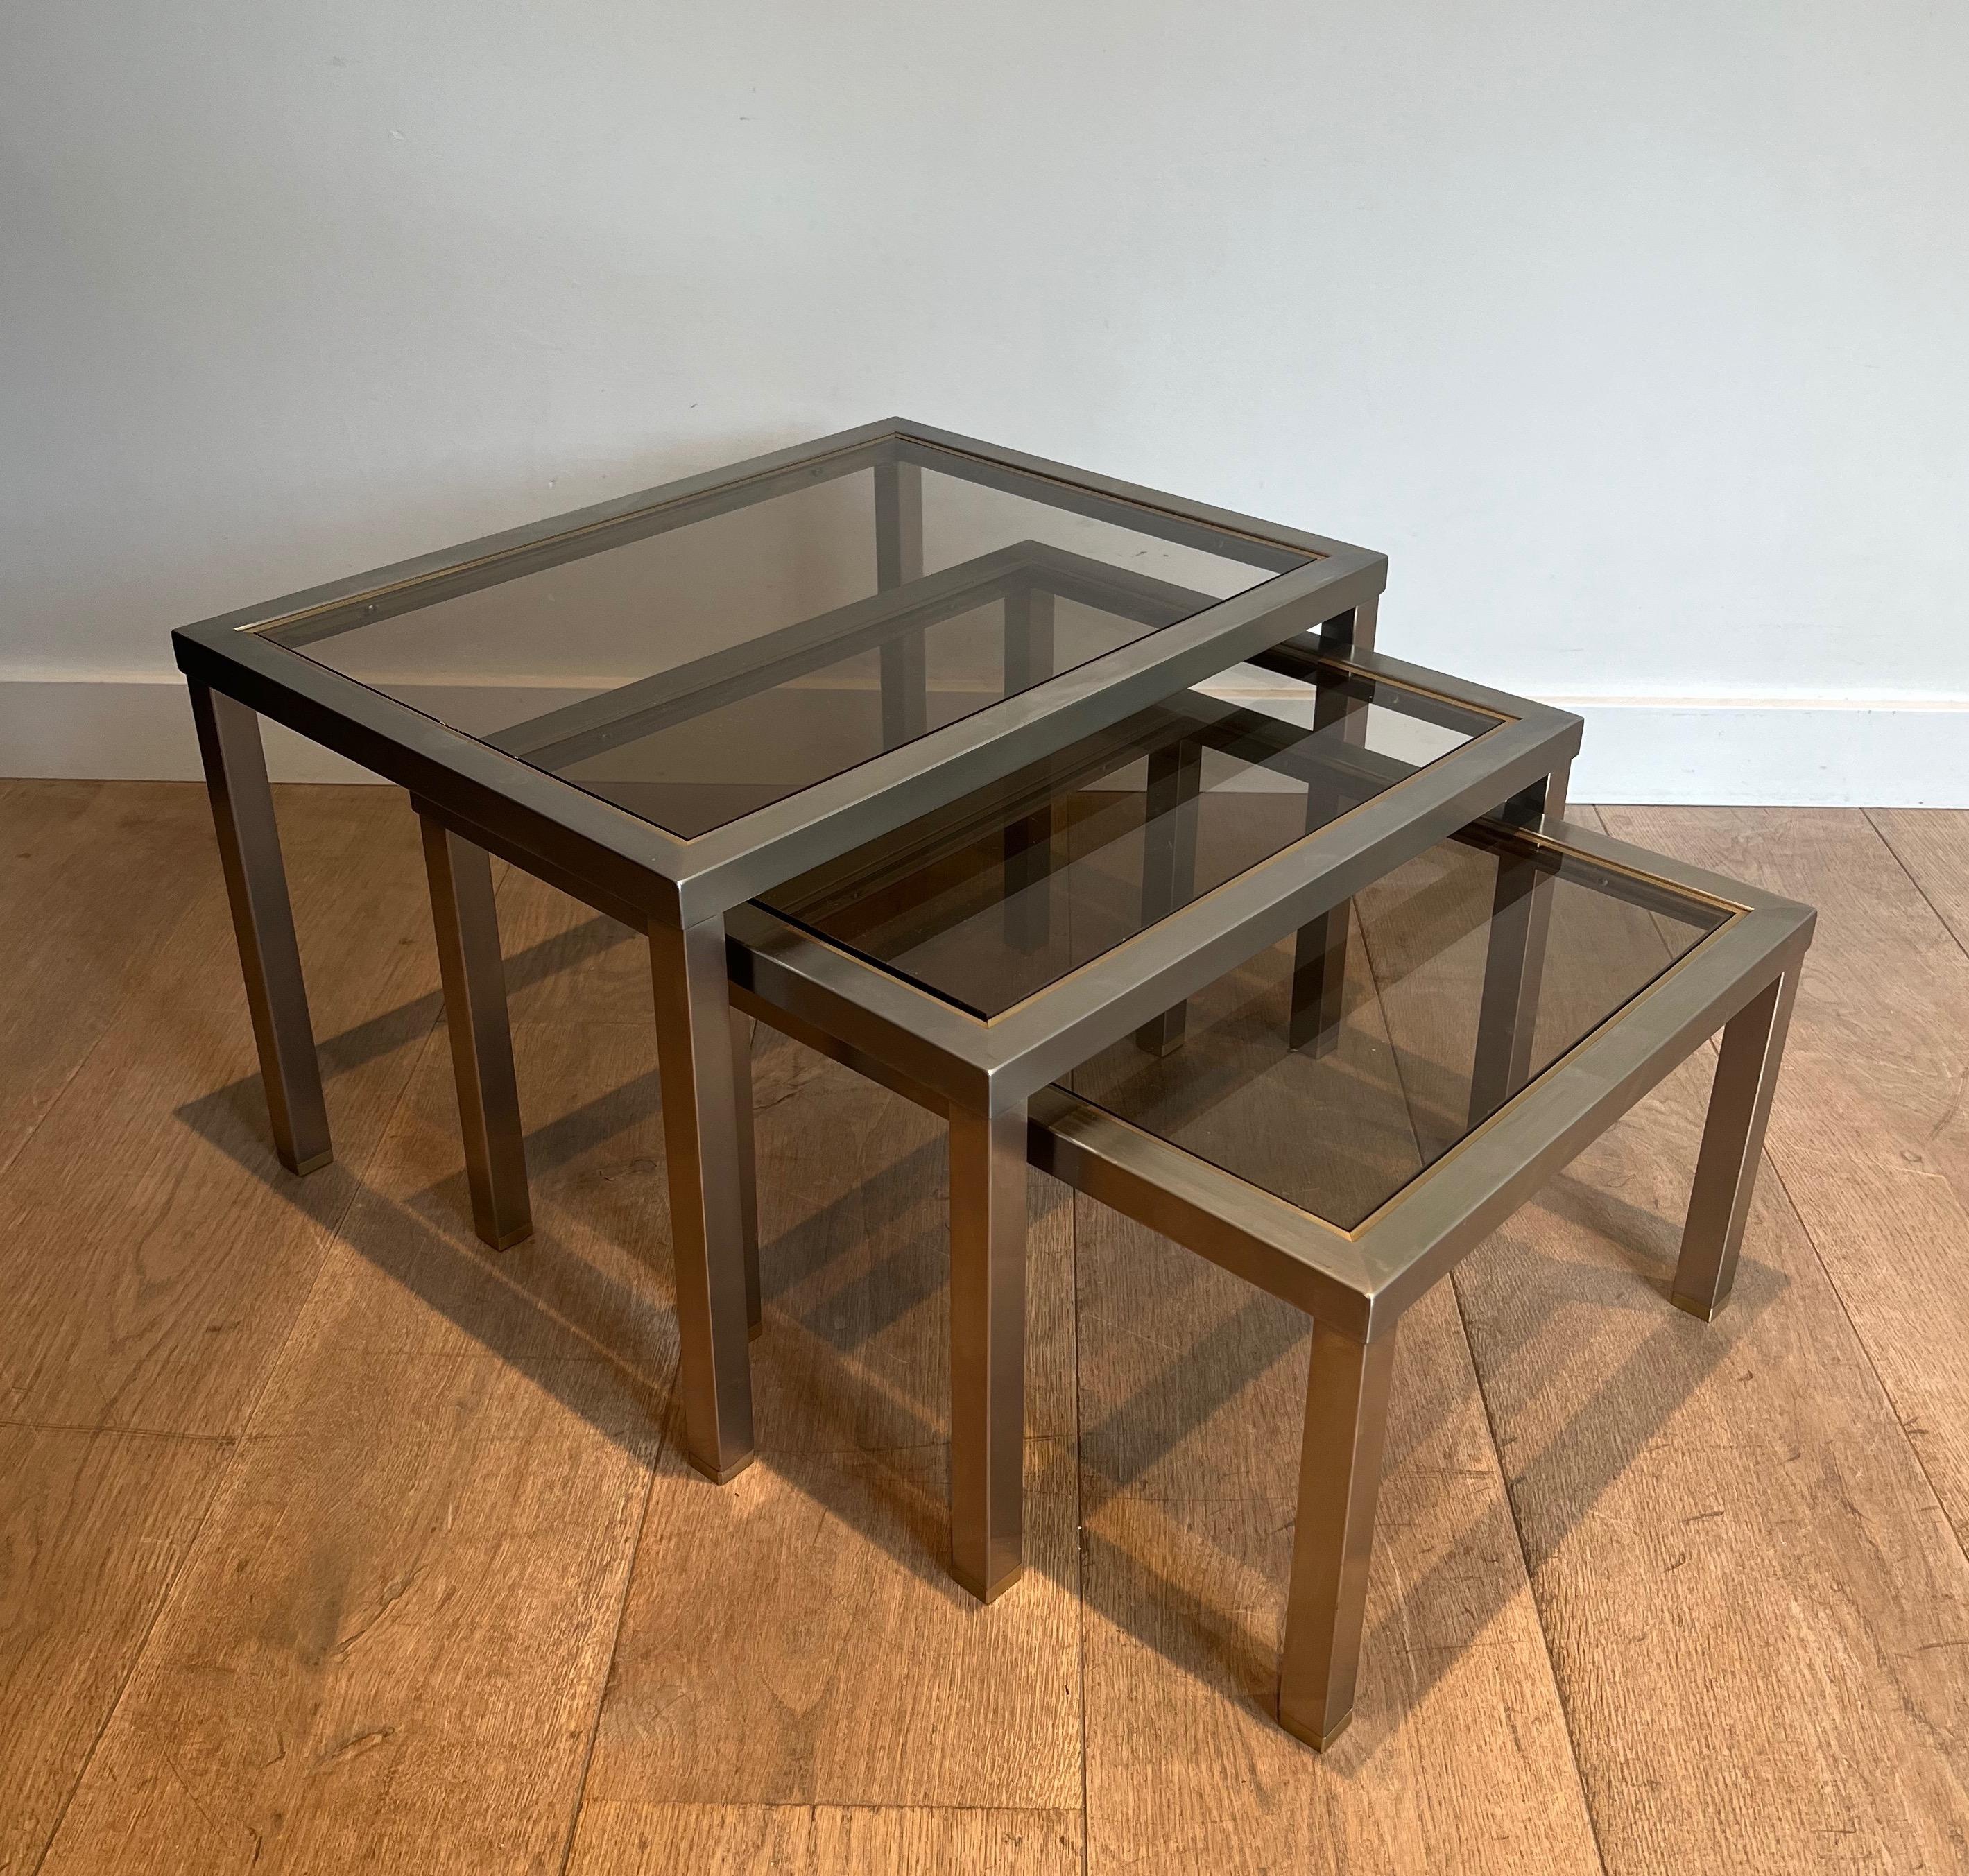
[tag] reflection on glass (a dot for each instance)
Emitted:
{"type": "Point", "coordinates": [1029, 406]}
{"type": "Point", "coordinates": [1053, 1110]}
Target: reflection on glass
{"type": "Point", "coordinates": [991, 899]}
{"type": "Point", "coordinates": [698, 673]}
{"type": "Point", "coordinates": [1339, 1134]}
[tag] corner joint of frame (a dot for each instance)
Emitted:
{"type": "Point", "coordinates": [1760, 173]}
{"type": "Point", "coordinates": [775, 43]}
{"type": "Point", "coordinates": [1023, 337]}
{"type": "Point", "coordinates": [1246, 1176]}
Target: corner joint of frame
{"type": "Point", "coordinates": [995, 1090]}
{"type": "Point", "coordinates": [1379, 1314]}
{"type": "Point", "coordinates": [668, 906]}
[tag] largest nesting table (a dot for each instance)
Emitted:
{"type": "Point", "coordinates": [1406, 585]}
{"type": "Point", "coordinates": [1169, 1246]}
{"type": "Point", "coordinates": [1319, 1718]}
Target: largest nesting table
{"type": "Point", "coordinates": [671, 702]}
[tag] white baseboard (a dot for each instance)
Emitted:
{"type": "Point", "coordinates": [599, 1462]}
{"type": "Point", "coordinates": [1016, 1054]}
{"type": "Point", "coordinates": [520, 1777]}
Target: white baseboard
{"type": "Point", "coordinates": [1898, 753]}
{"type": "Point", "coordinates": [130, 729]}
{"type": "Point", "coordinates": [1903, 753]}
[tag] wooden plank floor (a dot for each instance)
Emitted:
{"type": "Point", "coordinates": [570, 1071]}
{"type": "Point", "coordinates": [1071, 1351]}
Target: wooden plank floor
{"type": "Point", "coordinates": [329, 1540]}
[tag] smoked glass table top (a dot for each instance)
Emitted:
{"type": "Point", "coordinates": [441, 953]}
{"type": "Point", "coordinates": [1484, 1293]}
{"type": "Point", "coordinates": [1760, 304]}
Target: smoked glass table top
{"type": "Point", "coordinates": [697, 674]}
{"type": "Point", "coordinates": [1338, 1134]}
{"type": "Point", "coordinates": [992, 900]}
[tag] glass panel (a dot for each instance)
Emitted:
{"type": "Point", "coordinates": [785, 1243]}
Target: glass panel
{"type": "Point", "coordinates": [1415, 1064]}
{"type": "Point", "coordinates": [987, 901]}
{"type": "Point", "coordinates": [695, 674]}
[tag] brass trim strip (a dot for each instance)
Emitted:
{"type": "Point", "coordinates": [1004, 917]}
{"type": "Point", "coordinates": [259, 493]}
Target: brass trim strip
{"type": "Point", "coordinates": [1399, 1196]}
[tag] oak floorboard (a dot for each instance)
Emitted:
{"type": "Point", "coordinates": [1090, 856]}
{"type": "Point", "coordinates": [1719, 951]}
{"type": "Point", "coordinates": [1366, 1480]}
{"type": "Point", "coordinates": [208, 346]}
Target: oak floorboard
{"type": "Point", "coordinates": [389, 1645]}
{"type": "Point", "coordinates": [855, 1261]}
{"type": "Point", "coordinates": [588, 967]}
{"type": "Point", "coordinates": [92, 1527]}
{"type": "Point", "coordinates": [1752, 1600]}
{"type": "Point", "coordinates": [924, 1843]}
{"type": "Point", "coordinates": [386, 1643]}
{"type": "Point", "coordinates": [1754, 1604]}
{"type": "Point", "coordinates": [1192, 1388]}
{"type": "Point", "coordinates": [92, 876]}
{"type": "Point", "coordinates": [386, 1650]}
{"type": "Point", "coordinates": [1869, 1131]}
{"type": "Point", "coordinates": [593, 1281]}
{"type": "Point", "coordinates": [783, 1635]}
{"type": "Point", "coordinates": [154, 1252]}
{"type": "Point", "coordinates": [1933, 845]}
{"type": "Point", "coordinates": [625, 1839]}
{"type": "Point", "coordinates": [794, 1638]}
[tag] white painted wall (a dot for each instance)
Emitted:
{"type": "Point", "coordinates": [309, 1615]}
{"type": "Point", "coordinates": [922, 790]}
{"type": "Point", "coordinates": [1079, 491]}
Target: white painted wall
{"type": "Point", "coordinates": [1635, 334]}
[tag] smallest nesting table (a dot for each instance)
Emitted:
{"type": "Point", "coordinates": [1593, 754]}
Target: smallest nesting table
{"type": "Point", "coordinates": [1347, 1179]}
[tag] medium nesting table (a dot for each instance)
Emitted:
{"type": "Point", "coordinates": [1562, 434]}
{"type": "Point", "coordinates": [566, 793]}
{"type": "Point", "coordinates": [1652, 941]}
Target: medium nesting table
{"type": "Point", "coordinates": [991, 945]}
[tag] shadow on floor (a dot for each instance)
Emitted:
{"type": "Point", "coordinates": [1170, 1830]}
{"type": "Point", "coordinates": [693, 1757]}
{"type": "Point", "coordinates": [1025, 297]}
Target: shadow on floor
{"type": "Point", "coordinates": [538, 1304]}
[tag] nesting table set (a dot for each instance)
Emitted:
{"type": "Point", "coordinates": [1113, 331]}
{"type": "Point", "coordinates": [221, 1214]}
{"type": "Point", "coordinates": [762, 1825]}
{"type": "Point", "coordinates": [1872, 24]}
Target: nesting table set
{"type": "Point", "coordinates": [1087, 816]}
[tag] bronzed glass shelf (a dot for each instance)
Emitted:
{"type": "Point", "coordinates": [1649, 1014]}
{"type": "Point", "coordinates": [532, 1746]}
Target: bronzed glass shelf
{"type": "Point", "coordinates": [998, 897]}
{"type": "Point", "coordinates": [1405, 1074]}
{"type": "Point", "coordinates": [715, 684]}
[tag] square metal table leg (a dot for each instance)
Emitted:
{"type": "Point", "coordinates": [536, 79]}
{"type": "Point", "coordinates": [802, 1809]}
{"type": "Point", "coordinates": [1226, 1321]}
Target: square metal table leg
{"type": "Point", "coordinates": [256, 886]}
{"type": "Point", "coordinates": [1319, 978]}
{"type": "Point", "coordinates": [466, 920]}
{"type": "Point", "coordinates": [899, 562]}
{"type": "Point", "coordinates": [1352, 631]}
{"type": "Point", "coordinates": [1029, 636]}
{"type": "Point", "coordinates": [988, 1349]}
{"type": "Point", "coordinates": [1339, 1478]}
{"type": "Point", "coordinates": [1028, 843]}
{"type": "Point", "coordinates": [1169, 863]}
{"type": "Point", "coordinates": [1733, 1138]}
{"type": "Point", "coordinates": [1319, 954]}
{"type": "Point", "coordinates": [1514, 963]}
{"type": "Point", "coordinates": [1027, 851]}
{"type": "Point", "coordinates": [702, 1147]}
{"type": "Point", "coordinates": [748, 1166]}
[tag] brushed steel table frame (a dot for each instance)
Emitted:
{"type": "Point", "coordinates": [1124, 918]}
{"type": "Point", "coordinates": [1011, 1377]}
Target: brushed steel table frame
{"type": "Point", "coordinates": [482, 793]}
{"type": "Point", "coordinates": [716, 962]}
